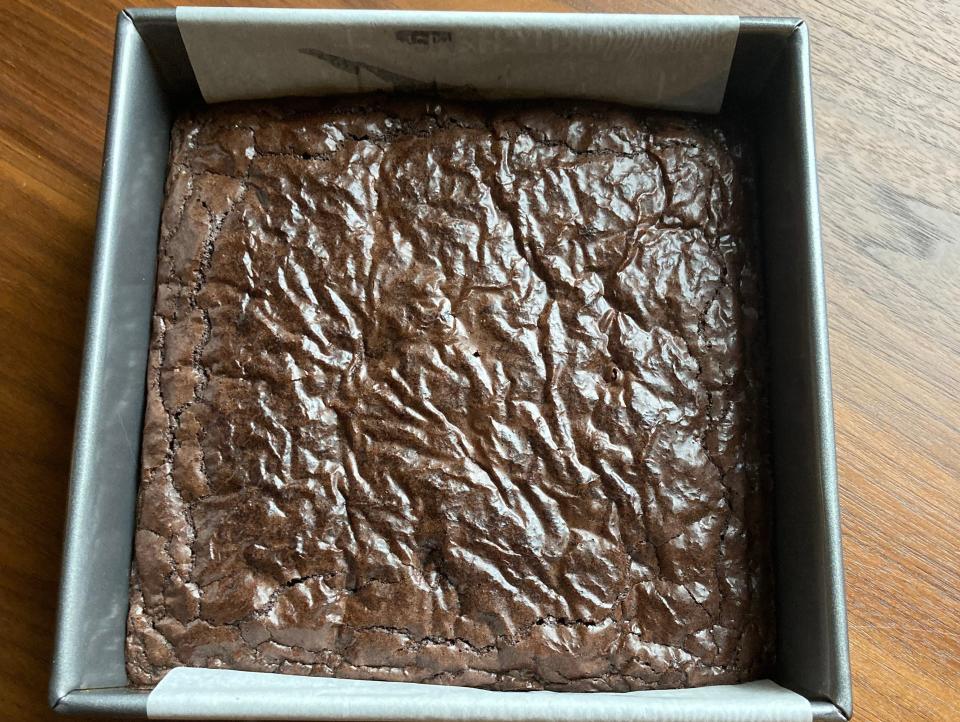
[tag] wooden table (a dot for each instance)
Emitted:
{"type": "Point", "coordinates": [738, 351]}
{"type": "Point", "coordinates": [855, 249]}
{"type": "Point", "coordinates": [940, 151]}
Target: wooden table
{"type": "Point", "coordinates": [887, 82]}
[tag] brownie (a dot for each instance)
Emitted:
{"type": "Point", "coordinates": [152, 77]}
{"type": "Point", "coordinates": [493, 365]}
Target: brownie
{"type": "Point", "coordinates": [455, 393]}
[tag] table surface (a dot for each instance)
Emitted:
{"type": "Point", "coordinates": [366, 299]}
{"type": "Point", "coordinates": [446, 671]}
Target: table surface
{"type": "Point", "coordinates": [887, 86]}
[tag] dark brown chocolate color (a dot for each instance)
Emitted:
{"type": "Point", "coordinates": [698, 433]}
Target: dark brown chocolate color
{"type": "Point", "coordinates": [452, 393]}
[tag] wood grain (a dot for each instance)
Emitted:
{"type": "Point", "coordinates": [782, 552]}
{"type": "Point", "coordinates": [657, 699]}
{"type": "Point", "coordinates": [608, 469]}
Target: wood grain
{"type": "Point", "coordinates": [887, 84]}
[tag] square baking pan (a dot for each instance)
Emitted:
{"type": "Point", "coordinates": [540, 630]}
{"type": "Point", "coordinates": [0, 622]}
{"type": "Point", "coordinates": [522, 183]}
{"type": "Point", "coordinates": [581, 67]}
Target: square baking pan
{"type": "Point", "coordinates": [769, 75]}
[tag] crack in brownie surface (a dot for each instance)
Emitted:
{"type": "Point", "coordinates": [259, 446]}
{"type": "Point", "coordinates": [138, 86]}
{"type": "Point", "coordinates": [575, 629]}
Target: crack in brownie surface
{"type": "Point", "coordinates": [453, 393]}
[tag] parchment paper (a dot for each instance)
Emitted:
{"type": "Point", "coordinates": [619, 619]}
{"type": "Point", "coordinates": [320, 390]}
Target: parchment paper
{"type": "Point", "coordinates": [224, 694]}
{"type": "Point", "coordinates": [672, 62]}
{"type": "Point", "coordinates": [664, 61]}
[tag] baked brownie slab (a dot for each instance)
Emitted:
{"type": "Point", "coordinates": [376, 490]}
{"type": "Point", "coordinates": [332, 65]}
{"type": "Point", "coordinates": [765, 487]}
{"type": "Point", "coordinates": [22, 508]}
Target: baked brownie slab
{"type": "Point", "coordinates": [452, 393]}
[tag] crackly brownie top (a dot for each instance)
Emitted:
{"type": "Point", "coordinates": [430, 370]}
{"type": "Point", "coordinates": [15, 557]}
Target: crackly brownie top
{"type": "Point", "coordinates": [454, 393]}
